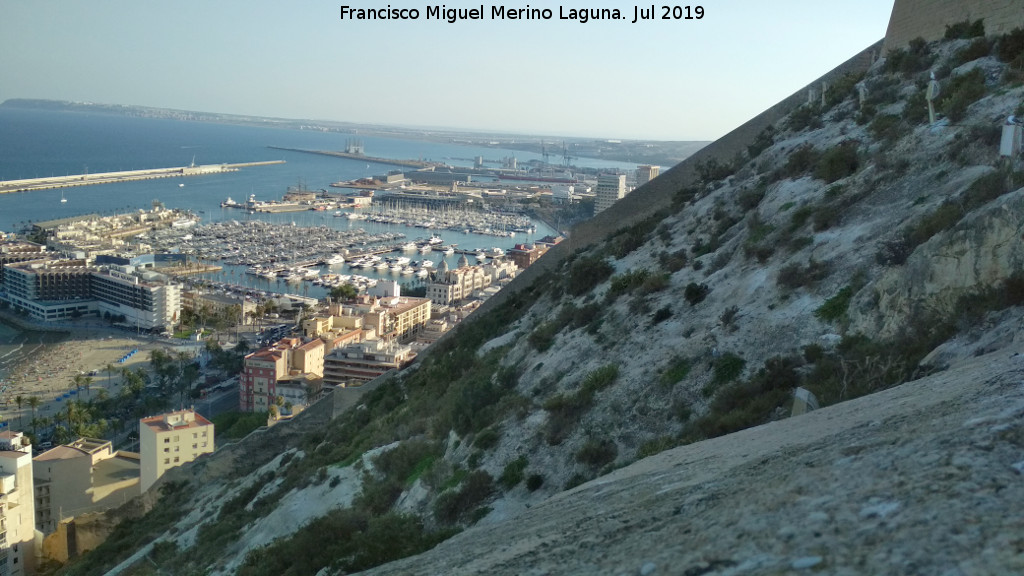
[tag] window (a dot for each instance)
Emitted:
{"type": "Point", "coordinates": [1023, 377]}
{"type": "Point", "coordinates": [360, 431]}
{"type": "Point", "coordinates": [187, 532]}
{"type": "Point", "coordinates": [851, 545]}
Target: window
{"type": "Point", "coordinates": [194, 446]}
{"type": "Point", "coordinates": [167, 449]}
{"type": "Point", "coordinates": [166, 440]}
{"type": "Point", "coordinates": [167, 460]}
{"type": "Point", "coordinates": [175, 458]}
{"type": "Point", "coordinates": [195, 434]}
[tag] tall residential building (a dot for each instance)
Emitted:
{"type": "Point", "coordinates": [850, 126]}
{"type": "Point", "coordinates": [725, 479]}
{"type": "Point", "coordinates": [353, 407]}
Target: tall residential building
{"type": "Point", "coordinates": [170, 440]}
{"type": "Point", "coordinates": [17, 506]}
{"type": "Point", "coordinates": [645, 174]}
{"type": "Point", "coordinates": [264, 368]}
{"type": "Point", "coordinates": [610, 189]}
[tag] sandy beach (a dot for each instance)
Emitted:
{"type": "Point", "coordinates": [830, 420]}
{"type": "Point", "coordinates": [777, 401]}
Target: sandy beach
{"type": "Point", "coordinates": [47, 370]}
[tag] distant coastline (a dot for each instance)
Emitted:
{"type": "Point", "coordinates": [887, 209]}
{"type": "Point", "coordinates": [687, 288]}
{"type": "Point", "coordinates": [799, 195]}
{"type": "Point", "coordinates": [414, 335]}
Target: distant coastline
{"type": "Point", "coordinates": [655, 152]}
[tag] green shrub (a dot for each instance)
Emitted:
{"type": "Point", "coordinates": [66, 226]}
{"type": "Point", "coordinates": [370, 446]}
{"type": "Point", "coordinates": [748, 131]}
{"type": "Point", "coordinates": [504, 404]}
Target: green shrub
{"type": "Point", "coordinates": [908, 61]}
{"type": "Point", "coordinates": [565, 410]}
{"type": "Point", "coordinates": [673, 262]}
{"type": "Point", "coordinates": [586, 273]}
{"type": "Point", "coordinates": [835, 307]}
{"type": "Point", "coordinates": [762, 142]}
{"type": "Point", "coordinates": [675, 371]}
{"type": "Point", "coordinates": [661, 314]}
{"type": "Point", "coordinates": [886, 127]}
{"type": "Point", "coordinates": [807, 116]}
{"type": "Point", "coordinates": [712, 170]}
{"type": "Point", "coordinates": [1011, 46]}
{"type": "Point", "coordinates": [838, 162]}
{"type": "Point", "coordinates": [534, 482]}
{"type": "Point", "coordinates": [793, 276]}
{"type": "Point", "coordinates": [801, 162]}
{"type": "Point", "coordinates": [454, 505]}
{"type": "Point", "coordinates": [627, 282]}
{"type": "Point", "coordinates": [513, 473]}
{"type": "Point", "coordinates": [963, 91]}
{"type": "Point", "coordinates": [543, 336]}
{"type": "Point", "coordinates": [915, 110]}
{"type": "Point", "coordinates": [404, 462]}
{"type": "Point", "coordinates": [487, 438]}
{"type": "Point", "coordinates": [597, 453]}
{"type": "Point", "coordinates": [965, 29]}
{"type": "Point", "coordinates": [695, 293]}
{"type": "Point", "coordinates": [980, 48]}
{"type": "Point", "coordinates": [727, 367]}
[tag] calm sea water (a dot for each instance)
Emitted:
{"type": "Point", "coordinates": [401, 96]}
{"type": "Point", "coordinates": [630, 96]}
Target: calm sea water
{"type": "Point", "coordinates": [36, 143]}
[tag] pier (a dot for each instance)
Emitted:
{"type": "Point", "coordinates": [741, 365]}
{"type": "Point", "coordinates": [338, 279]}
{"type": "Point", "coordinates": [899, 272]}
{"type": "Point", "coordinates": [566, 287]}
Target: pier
{"type": "Point", "coordinates": [363, 158]}
{"type": "Point", "coordinates": [29, 184]}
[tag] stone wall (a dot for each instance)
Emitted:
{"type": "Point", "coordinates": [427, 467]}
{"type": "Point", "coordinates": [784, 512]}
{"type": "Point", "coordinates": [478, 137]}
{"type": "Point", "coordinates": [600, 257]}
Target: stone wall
{"type": "Point", "coordinates": [929, 18]}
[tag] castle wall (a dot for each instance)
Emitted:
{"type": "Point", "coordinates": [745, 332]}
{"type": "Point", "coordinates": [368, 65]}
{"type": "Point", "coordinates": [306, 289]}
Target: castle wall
{"type": "Point", "coordinates": [928, 18]}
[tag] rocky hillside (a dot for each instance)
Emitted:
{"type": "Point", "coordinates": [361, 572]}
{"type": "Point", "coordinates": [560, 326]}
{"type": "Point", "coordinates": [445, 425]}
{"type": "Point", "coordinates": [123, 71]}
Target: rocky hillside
{"type": "Point", "coordinates": [850, 249]}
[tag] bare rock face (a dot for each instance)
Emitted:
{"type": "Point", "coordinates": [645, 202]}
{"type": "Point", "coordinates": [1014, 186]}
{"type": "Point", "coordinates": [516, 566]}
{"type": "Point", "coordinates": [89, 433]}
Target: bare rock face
{"type": "Point", "coordinates": [984, 249]}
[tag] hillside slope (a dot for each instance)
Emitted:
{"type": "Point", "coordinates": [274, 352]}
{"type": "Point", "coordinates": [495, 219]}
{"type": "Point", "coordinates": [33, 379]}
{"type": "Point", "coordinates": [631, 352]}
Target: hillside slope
{"type": "Point", "coordinates": [848, 249]}
{"type": "Point", "coordinates": [920, 479]}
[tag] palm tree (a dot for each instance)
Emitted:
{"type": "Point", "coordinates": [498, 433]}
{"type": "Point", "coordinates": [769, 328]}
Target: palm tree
{"type": "Point", "coordinates": [34, 402]}
{"type": "Point", "coordinates": [19, 401]}
{"type": "Point", "coordinates": [110, 368]}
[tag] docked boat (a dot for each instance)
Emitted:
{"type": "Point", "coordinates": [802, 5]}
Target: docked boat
{"type": "Point", "coordinates": [335, 260]}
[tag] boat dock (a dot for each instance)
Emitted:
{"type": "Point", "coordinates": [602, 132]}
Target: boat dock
{"type": "Point", "coordinates": [29, 184]}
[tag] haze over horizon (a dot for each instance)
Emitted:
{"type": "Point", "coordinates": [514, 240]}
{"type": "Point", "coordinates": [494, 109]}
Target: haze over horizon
{"type": "Point", "coordinates": [659, 79]}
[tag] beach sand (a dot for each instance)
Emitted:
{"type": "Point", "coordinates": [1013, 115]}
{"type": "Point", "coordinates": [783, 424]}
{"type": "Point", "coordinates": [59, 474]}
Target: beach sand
{"type": "Point", "coordinates": [49, 369]}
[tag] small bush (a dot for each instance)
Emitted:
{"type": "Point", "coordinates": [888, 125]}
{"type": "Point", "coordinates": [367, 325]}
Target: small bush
{"type": "Point", "coordinates": [794, 276]}
{"type": "Point", "coordinates": [915, 111]}
{"type": "Point", "coordinates": [801, 162]}
{"type": "Point", "coordinates": [712, 170]}
{"type": "Point", "coordinates": [673, 262]}
{"type": "Point", "coordinates": [886, 127]}
{"type": "Point", "coordinates": [980, 48]}
{"type": "Point", "coordinates": [452, 506]}
{"type": "Point", "coordinates": [543, 336]}
{"type": "Point", "coordinates": [695, 293]}
{"type": "Point", "coordinates": [586, 273]}
{"type": "Point", "coordinates": [835, 307]}
{"type": "Point", "coordinates": [807, 116]}
{"type": "Point", "coordinates": [676, 371]}
{"type": "Point", "coordinates": [963, 91]}
{"type": "Point", "coordinates": [912, 60]}
{"type": "Point", "coordinates": [727, 368]}
{"type": "Point", "coordinates": [534, 482]}
{"type": "Point", "coordinates": [1011, 46]}
{"type": "Point", "coordinates": [965, 29]}
{"type": "Point", "coordinates": [487, 438]}
{"type": "Point", "coordinates": [728, 317]}
{"type": "Point", "coordinates": [661, 315]}
{"type": "Point", "coordinates": [513, 473]}
{"type": "Point", "coordinates": [597, 453]}
{"type": "Point", "coordinates": [838, 162]}
{"type": "Point", "coordinates": [762, 142]}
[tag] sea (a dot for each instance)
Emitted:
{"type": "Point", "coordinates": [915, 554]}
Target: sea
{"type": "Point", "coordinates": [42, 143]}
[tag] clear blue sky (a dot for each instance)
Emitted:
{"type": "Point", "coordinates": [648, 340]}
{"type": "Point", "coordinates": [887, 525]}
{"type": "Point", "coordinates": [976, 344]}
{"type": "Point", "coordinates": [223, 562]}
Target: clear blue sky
{"type": "Point", "coordinates": [668, 80]}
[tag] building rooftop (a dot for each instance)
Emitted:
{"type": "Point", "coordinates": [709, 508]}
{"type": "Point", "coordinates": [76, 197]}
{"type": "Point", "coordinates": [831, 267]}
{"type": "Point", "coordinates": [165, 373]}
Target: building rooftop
{"type": "Point", "coordinates": [179, 420]}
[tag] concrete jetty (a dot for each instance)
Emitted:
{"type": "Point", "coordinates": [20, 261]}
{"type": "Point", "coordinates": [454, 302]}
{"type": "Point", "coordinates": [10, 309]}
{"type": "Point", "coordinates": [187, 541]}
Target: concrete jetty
{"type": "Point", "coordinates": [29, 184]}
